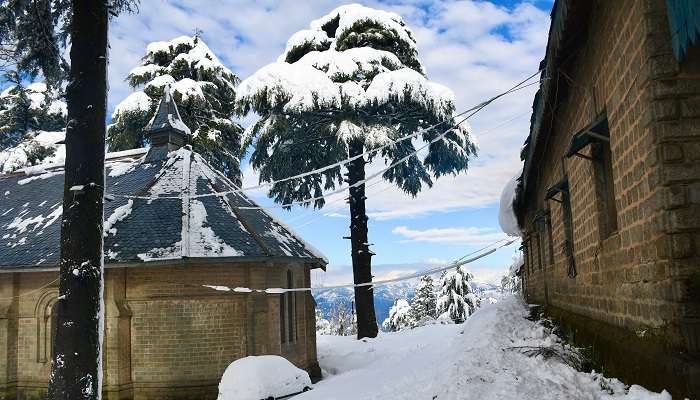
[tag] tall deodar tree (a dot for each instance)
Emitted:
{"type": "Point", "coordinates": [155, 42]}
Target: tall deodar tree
{"type": "Point", "coordinates": [349, 84]}
{"type": "Point", "coordinates": [202, 87]}
{"type": "Point", "coordinates": [37, 32]}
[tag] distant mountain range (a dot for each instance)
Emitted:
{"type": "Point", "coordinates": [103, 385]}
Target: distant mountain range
{"type": "Point", "coordinates": [384, 296]}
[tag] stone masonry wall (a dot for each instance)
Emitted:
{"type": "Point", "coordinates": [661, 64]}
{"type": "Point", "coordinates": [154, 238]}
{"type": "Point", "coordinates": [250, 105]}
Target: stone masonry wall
{"type": "Point", "coordinates": [166, 335]}
{"type": "Point", "coordinates": [640, 277]}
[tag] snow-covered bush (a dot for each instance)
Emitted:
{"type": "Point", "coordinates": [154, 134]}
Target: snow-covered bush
{"type": "Point", "coordinates": [456, 299]}
{"type": "Point", "coordinates": [204, 91]}
{"type": "Point", "coordinates": [400, 317]}
{"type": "Point", "coordinates": [262, 377]}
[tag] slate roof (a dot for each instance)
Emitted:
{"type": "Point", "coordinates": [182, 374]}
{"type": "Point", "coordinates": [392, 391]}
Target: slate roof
{"type": "Point", "coordinates": [167, 117]}
{"type": "Point", "coordinates": [146, 230]}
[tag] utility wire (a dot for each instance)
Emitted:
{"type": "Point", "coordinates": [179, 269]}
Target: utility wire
{"type": "Point", "coordinates": [462, 261]}
{"type": "Point", "coordinates": [471, 111]}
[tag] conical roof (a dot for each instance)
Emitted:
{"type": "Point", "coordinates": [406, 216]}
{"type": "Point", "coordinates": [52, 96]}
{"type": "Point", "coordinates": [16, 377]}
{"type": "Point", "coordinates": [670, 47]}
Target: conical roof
{"type": "Point", "coordinates": [167, 117]}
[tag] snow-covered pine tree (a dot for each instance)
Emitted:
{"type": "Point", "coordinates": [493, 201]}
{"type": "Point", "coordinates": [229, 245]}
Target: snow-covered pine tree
{"type": "Point", "coordinates": [204, 90]}
{"type": "Point", "coordinates": [350, 83]}
{"type": "Point", "coordinates": [31, 117]}
{"type": "Point", "coordinates": [323, 326]}
{"type": "Point", "coordinates": [400, 317]}
{"type": "Point", "coordinates": [35, 32]}
{"type": "Point", "coordinates": [456, 299]}
{"type": "Point", "coordinates": [424, 303]}
{"type": "Point", "coordinates": [342, 319]}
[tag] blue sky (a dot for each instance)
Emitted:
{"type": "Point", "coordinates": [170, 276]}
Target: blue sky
{"type": "Point", "coordinates": [475, 48]}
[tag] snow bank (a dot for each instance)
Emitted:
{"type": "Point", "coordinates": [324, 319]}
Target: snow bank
{"type": "Point", "coordinates": [506, 214]}
{"type": "Point", "coordinates": [262, 377]}
{"type": "Point", "coordinates": [475, 360]}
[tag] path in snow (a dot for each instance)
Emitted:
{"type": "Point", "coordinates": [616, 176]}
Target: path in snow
{"type": "Point", "coordinates": [467, 361]}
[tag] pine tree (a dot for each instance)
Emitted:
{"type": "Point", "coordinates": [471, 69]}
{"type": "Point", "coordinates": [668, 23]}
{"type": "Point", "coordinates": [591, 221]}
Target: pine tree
{"type": "Point", "coordinates": [323, 326]}
{"type": "Point", "coordinates": [36, 32]}
{"type": "Point", "coordinates": [342, 319]}
{"type": "Point", "coordinates": [424, 303]}
{"type": "Point", "coordinates": [204, 90]}
{"type": "Point", "coordinates": [456, 299]}
{"type": "Point", "coordinates": [25, 112]}
{"type": "Point", "coordinates": [400, 317]}
{"type": "Point", "coordinates": [349, 84]}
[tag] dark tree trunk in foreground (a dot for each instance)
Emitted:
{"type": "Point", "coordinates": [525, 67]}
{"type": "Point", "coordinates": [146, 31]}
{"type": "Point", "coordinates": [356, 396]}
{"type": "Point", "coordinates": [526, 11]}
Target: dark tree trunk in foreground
{"type": "Point", "coordinates": [76, 371]}
{"type": "Point", "coordinates": [361, 255]}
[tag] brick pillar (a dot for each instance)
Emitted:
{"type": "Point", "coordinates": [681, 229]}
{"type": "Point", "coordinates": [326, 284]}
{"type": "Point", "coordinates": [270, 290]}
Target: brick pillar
{"type": "Point", "coordinates": [116, 345]}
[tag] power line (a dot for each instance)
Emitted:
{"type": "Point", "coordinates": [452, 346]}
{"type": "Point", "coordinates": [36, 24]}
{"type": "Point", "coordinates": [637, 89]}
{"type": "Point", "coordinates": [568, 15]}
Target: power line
{"type": "Point", "coordinates": [472, 110]}
{"type": "Point", "coordinates": [462, 261]}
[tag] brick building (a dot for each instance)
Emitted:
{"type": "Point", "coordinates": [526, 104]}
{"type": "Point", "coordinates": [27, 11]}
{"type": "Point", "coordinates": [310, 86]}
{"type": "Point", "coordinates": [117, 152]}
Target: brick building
{"type": "Point", "coordinates": [166, 334]}
{"type": "Point", "coordinates": [609, 198]}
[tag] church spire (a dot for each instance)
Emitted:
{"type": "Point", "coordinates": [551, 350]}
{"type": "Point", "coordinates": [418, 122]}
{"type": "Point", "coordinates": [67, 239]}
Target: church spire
{"type": "Point", "coordinates": [165, 130]}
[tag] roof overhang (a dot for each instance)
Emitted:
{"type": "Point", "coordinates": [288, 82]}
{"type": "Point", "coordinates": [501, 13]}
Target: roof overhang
{"type": "Point", "coordinates": [314, 263]}
{"type": "Point", "coordinates": [567, 31]}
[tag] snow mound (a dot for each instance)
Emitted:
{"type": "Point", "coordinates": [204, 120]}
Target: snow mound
{"type": "Point", "coordinates": [479, 359]}
{"type": "Point", "coordinates": [262, 377]}
{"type": "Point", "coordinates": [506, 214]}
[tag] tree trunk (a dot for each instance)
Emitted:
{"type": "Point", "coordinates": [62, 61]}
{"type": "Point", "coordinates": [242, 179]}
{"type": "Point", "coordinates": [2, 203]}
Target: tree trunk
{"type": "Point", "coordinates": [361, 256]}
{"type": "Point", "coordinates": [77, 361]}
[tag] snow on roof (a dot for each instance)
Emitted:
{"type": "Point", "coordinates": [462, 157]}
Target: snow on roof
{"type": "Point", "coordinates": [142, 230]}
{"type": "Point", "coordinates": [506, 215]}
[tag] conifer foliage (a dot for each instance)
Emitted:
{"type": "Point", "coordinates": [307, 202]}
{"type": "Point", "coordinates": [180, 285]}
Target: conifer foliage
{"type": "Point", "coordinates": [400, 317]}
{"type": "Point", "coordinates": [351, 83]}
{"type": "Point", "coordinates": [456, 299]}
{"type": "Point", "coordinates": [424, 305]}
{"type": "Point", "coordinates": [31, 118]}
{"type": "Point", "coordinates": [204, 91]}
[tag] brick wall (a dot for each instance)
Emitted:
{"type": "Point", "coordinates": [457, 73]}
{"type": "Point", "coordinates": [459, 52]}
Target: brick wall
{"type": "Point", "coordinates": [166, 336]}
{"type": "Point", "coordinates": [637, 278]}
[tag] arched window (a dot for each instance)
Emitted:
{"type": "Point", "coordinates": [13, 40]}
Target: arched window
{"type": "Point", "coordinates": [53, 329]}
{"type": "Point", "coordinates": [288, 332]}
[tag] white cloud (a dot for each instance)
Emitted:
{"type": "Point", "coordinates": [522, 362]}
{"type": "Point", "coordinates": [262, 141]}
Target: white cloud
{"type": "Point", "coordinates": [474, 47]}
{"type": "Point", "coordinates": [461, 236]}
{"type": "Point", "coordinates": [436, 261]}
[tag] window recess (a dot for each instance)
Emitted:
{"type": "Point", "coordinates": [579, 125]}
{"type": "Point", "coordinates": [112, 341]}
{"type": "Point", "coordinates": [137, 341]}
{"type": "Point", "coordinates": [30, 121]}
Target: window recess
{"type": "Point", "coordinates": [560, 194]}
{"type": "Point", "coordinates": [597, 135]}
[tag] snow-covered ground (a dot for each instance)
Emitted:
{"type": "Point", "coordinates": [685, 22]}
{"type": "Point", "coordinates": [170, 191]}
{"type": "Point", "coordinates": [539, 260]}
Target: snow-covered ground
{"type": "Point", "coordinates": [474, 360]}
